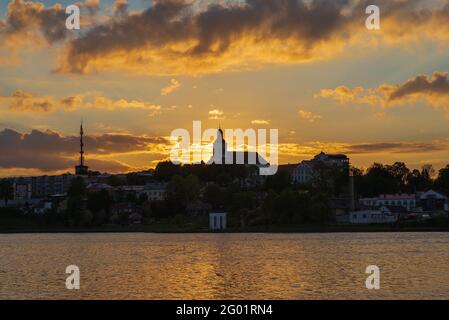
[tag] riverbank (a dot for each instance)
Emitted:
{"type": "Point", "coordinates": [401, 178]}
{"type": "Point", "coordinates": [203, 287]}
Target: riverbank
{"type": "Point", "coordinates": [170, 228]}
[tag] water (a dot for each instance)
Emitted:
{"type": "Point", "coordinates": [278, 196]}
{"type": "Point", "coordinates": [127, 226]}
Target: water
{"type": "Point", "coordinates": [225, 266]}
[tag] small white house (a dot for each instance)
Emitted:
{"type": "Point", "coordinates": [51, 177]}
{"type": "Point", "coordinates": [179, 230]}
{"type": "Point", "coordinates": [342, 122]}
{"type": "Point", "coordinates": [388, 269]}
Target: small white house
{"type": "Point", "coordinates": [372, 216]}
{"type": "Point", "coordinates": [217, 221]}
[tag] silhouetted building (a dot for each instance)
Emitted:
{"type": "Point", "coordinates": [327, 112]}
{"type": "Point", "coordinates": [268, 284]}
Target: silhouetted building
{"type": "Point", "coordinates": [221, 155]}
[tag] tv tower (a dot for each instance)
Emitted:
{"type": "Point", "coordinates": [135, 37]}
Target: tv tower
{"type": "Point", "coordinates": [81, 169]}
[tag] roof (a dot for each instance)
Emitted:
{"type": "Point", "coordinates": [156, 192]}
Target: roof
{"type": "Point", "coordinates": [391, 197]}
{"type": "Point", "coordinates": [339, 156]}
{"type": "Point", "coordinates": [156, 186]}
{"type": "Point", "coordinates": [428, 193]}
{"type": "Point", "coordinates": [246, 156]}
{"type": "Point", "coordinates": [396, 209]}
{"type": "Point", "coordinates": [99, 186]}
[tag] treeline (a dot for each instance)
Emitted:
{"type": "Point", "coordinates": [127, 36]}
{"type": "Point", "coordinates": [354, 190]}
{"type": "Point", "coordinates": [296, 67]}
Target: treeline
{"type": "Point", "coordinates": [398, 178]}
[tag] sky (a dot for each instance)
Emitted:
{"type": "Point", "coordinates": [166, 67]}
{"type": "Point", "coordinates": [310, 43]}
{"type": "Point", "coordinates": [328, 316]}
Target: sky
{"type": "Point", "coordinates": [137, 70]}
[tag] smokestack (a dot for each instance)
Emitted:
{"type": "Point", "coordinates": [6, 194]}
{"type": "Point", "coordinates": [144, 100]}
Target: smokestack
{"type": "Point", "coordinates": [351, 191]}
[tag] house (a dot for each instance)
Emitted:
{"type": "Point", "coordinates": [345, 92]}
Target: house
{"type": "Point", "coordinates": [405, 200]}
{"type": "Point", "coordinates": [22, 189]}
{"type": "Point", "coordinates": [155, 191]}
{"type": "Point", "coordinates": [307, 170]}
{"type": "Point", "coordinates": [217, 221]}
{"type": "Point", "coordinates": [432, 201]}
{"type": "Point", "coordinates": [382, 215]}
{"type": "Point", "coordinates": [399, 211]}
{"type": "Point", "coordinates": [303, 173]}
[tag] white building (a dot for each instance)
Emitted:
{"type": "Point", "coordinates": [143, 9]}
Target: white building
{"type": "Point", "coordinates": [217, 221]}
{"type": "Point", "coordinates": [155, 191]}
{"type": "Point", "coordinates": [305, 171]}
{"type": "Point", "coordinates": [381, 216]}
{"type": "Point", "coordinates": [22, 190]}
{"type": "Point", "coordinates": [432, 200]}
{"type": "Point", "coordinates": [404, 200]}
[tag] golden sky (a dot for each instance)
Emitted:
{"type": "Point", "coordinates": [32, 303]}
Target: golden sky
{"type": "Point", "coordinates": [137, 70]}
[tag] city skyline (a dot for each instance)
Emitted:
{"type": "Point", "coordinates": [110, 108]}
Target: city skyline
{"type": "Point", "coordinates": [377, 96]}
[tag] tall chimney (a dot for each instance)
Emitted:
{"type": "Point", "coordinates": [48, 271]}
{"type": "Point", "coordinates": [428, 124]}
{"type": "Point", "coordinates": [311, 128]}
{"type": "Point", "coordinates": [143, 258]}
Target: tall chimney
{"type": "Point", "coordinates": [351, 191]}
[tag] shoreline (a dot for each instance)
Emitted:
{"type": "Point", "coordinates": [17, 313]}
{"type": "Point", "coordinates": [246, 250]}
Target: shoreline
{"type": "Point", "coordinates": [165, 229]}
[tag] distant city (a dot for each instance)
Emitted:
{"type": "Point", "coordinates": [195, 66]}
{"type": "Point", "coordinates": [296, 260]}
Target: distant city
{"type": "Point", "coordinates": [323, 190]}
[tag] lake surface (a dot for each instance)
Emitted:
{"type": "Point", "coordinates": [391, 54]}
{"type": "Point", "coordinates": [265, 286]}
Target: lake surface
{"type": "Point", "coordinates": [225, 266]}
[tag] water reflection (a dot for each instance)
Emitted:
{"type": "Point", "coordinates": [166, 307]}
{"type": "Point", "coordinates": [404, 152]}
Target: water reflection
{"type": "Point", "coordinates": [225, 266]}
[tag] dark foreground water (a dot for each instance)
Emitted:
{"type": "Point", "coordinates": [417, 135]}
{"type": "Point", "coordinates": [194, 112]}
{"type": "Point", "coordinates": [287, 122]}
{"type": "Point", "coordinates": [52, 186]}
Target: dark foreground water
{"type": "Point", "coordinates": [225, 266]}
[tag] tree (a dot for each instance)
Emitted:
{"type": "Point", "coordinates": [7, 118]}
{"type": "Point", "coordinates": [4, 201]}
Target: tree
{"type": "Point", "coordinates": [442, 181]}
{"type": "Point", "coordinates": [278, 182]}
{"type": "Point", "coordinates": [76, 200]}
{"type": "Point", "coordinates": [166, 170]}
{"type": "Point", "coordinates": [319, 210]}
{"type": "Point", "coordinates": [99, 203]}
{"type": "Point", "coordinates": [288, 207]}
{"type": "Point", "coordinates": [114, 181]}
{"type": "Point", "coordinates": [419, 180]}
{"type": "Point", "coordinates": [181, 191]}
{"type": "Point", "coordinates": [378, 179]}
{"type": "Point", "coordinates": [6, 191]}
{"type": "Point", "coordinates": [214, 195]}
{"type": "Point", "coordinates": [400, 172]}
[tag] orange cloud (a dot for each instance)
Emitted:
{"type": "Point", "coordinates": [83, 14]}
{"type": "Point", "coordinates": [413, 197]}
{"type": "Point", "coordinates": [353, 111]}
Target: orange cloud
{"type": "Point", "coordinates": [21, 101]}
{"type": "Point", "coordinates": [260, 122]}
{"type": "Point", "coordinates": [174, 84]}
{"type": "Point", "coordinates": [216, 114]}
{"type": "Point", "coordinates": [309, 116]}
{"type": "Point", "coordinates": [433, 89]}
{"type": "Point", "coordinates": [180, 37]}
{"type": "Point", "coordinates": [184, 37]}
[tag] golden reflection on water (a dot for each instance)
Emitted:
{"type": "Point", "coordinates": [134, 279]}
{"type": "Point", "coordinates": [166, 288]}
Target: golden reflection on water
{"type": "Point", "coordinates": [225, 266]}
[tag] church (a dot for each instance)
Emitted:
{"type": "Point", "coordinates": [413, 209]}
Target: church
{"type": "Point", "coordinates": [221, 155]}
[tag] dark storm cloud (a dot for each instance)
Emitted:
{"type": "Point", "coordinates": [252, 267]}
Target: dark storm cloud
{"type": "Point", "coordinates": [399, 147]}
{"type": "Point", "coordinates": [213, 29]}
{"type": "Point", "coordinates": [121, 7]}
{"type": "Point", "coordinates": [184, 36]}
{"type": "Point", "coordinates": [25, 17]}
{"type": "Point", "coordinates": [49, 151]}
{"type": "Point", "coordinates": [438, 84]}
